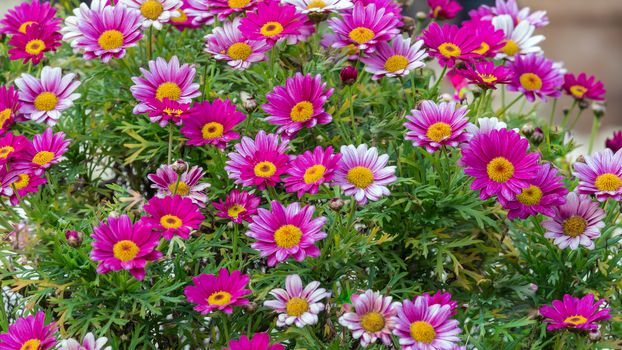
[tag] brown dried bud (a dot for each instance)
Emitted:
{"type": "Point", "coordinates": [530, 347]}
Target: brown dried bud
{"type": "Point", "coordinates": [179, 166]}
{"type": "Point", "coordinates": [336, 204]}
{"type": "Point", "coordinates": [409, 24]}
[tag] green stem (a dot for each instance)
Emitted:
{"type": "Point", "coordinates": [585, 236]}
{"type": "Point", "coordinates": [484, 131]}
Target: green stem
{"type": "Point", "coordinates": [170, 142]}
{"type": "Point", "coordinates": [550, 126]}
{"type": "Point", "coordinates": [150, 44]}
{"type": "Point", "coordinates": [272, 196]}
{"type": "Point", "coordinates": [353, 206]}
{"type": "Point", "coordinates": [480, 101]}
{"type": "Point", "coordinates": [576, 119]}
{"type": "Point", "coordinates": [595, 127]}
{"type": "Point", "coordinates": [565, 120]}
{"type": "Point", "coordinates": [435, 86]}
{"type": "Point", "coordinates": [504, 109]}
{"type": "Point", "coordinates": [351, 107]}
{"type": "Point", "coordinates": [236, 234]}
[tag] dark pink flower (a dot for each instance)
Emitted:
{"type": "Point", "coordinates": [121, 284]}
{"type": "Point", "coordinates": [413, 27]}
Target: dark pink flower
{"type": "Point", "coordinates": [218, 292]}
{"type": "Point", "coordinates": [572, 312]}
{"type": "Point", "coordinates": [583, 87]}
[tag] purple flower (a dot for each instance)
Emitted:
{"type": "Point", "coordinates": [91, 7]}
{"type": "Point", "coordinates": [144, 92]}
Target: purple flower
{"type": "Point", "coordinates": [436, 125]}
{"type": "Point", "coordinates": [574, 313]}
{"type": "Point", "coordinates": [29, 333]}
{"type": "Point", "coordinates": [218, 292]}
{"type": "Point", "coordinates": [535, 76]}
{"type": "Point", "coordinates": [396, 59]}
{"type": "Point", "coordinates": [370, 317]}
{"type": "Point", "coordinates": [601, 175]}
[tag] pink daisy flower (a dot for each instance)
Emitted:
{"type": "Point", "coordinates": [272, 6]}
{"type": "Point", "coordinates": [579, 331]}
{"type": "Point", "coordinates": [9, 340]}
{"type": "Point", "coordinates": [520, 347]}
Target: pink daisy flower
{"type": "Point", "coordinates": [25, 182]}
{"type": "Point", "coordinates": [32, 45]}
{"type": "Point", "coordinates": [297, 304]}
{"type": "Point", "coordinates": [154, 13]}
{"type": "Point", "coordinates": [396, 59]}
{"type": "Point", "coordinates": [490, 39]}
{"type": "Point", "coordinates": [582, 87]}
{"type": "Point", "coordinates": [441, 298]}
{"type": "Point", "coordinates": [200, 12]}
{"type": "Point", "coordinates": [450, 43]}
{"type": "Point", "coordinates": [510, 7]}
{"type": "Point", "coordinates": [423, 326]}
{"type": "Point", "coordinates": [437, 125]}
{"type": "Point", "coordinates": [19, 18]}
{"type": "Point", "coordinates": [259, 162]}
{"type": "Point", "coordinates": [89, 342]}
{"type": "Point", "coordinates": [545, 192]}
{"type": "Point", "coordinates": [310, 170]}
{"type": "Point", "coordinates": [225, 8]}
{"type": "Point", "coordinates": [7, 178]}
{"type": "Point", "coordinates": [44, 99]}
{"type": "Point", "coordinates": [260, 341]}
{"type": "Point", "coordinates": [45, 151]}
{"type": "Point", "coordinates": [212, 123]}
{"type": "Point", "coordinates": [443, 9]}
{"type": "Point", "coordinates": [272, 22]}
{"type": "Point", "coordinates": [364, 27]}
{"type": "Point", "coordinates": [218, 292]}
{"type": "Point", "coordinates": [173, 216]}
{"type": "Point", "coordinates": [574, 313]}
{"type": "Point", "coordinates": [311, 7]}
{"type": "Point", "coordinates": [286, 232]}
{"type": "Point", "coordinates": [10, 146]}
{"type": "Point", "coordinates": [500, 164]}
{"type": "Point", "coordinates": [600, 175]}
{"type": "Point", "coordinates": [535, 76]}
{"type": "Point", "coordinates": [9, 107]}
{"type": "Point", "coordinates": [614, 143]}
{"type": "Point", "coordinates": [162, 112]}
{"type": "Point", "coordinates": [390, 6]}
{"type": "Point", "coordinates": [227, 43]}
{"type": "Point", "coordinates": [370, 317]}
{"type": "Point", "coordinates": [576, 222]}
{"type": "Point", "coordinates": [364, 174]}
{"type": "Point", "coordinates": [121, 245]}
{"type": "Point", "coordinates": [187, 184]}
{"type": "Point", "coordinates": [164, 80]}
{"type": "Point", "coordinates": [238, 206]}
{"type": "Point", "coordinates": [299, 104]}
{"type": "Point", "coordinates": [185, 18]}
{"type": "Point", "coordinates": [485, 75]}
{"type": "Point", "coordinates": [29, 332]}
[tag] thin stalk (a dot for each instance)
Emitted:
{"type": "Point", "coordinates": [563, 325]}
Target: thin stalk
{"type": "Point", "coordinates": [576, 119]}
{"type": "Point", "coordinates": [595, 127]}
{"type": "Point", "coordinates": [504, 109]}
{"type": "Point", "coordinates": [438, 81]}
{"type": "Point", "coordinates": [150, 44]}
{"type": "Point", "coordinates": [234, 243]}
{"type": "Point", "coordinates": [565, 120]}
{"type": "Point", "coordinates": [170, 142]}
{"type": "Point", "coordinates": [550, 126]}
{"type": "Point", "coordinates": [351, 107]}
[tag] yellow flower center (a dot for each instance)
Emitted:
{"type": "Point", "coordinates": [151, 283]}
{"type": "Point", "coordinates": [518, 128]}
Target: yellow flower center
{"type": "Point", "coordinates": [46, 101]}
{"type": "Point", "coordinates": [170, 221]}
{"type": "Point", "coordinates": [5, 151]}
{"type": "Point", "coordinates": [212, 130]}
{"type": "Point", "coordinates": [488, 78]}
{"type": "Point", "coordinates": [183, 17]}
{"type": "Point", "coordinates": [125, 250]}
{"type": "Point", "coordinates": [530, 81]}
{"type": "Point", "coordinates": [180, 188]}
{"type": "Point", "coordinates": [235, 210]}
{"type": "Point", "coordinates": [395, 63]}
{"type": "Point", "coordinates": [316, 4]}
{"type": "Point", "coordinates": [43, 157]}
{"type": "Point", "coordinates": [608, 182]}
{"type": "Point", "coordinates": [510, 48]}
{"type": "Point", "coordinates": [265, 169]}
{"type": "Point", "coordinates": [170, 90]}
{"type": "Point", "coordinates": [4, 116]}
{"type": "Point", "coordinates": [23, 181]}
{"type": "Point", "coordinates": [574, 226]}
{"type": "Point", "coordinates": [530, 195]}
{"type": "Point", "coordinates": [296, 307]}
{"type": "Point", "coordinates": [287, 236]}
{"type": "Point", "coordinates": [351, 49]}
{"type": "Point", "coordinates": [449, 50]}
{"type": "Point", "coordinates": [578, 91]}
{"type": "Point", "coordinates": [111, 39]}
{"type": "Point", "coordinates": [438, 131]}
{"type": "Point", "coordinates": [151, 9]}
{"type": "Point", "coordinates": [32, 344]}
{"type": "Point", "coordinates": [360, 176]}
{"type": "Point", "coordinates": [239, 51]}
{"type": "Point", "coordinates": [314, 173]}
{"type": "Point", "coordinates": [219, 298]}
{"type": "Point", "coordinates": [483, 48]}
{"type": "Point", "coordinates": [271, 29]}
{"type": "Point", "coordinates": [172, 112]}
{"type": "Point", "coordinates": [35, 46]}
{"type": "Point", "coordinates": [238, 4]}
{"type": "Point", "coordinates": [302, 111]}
{"type": "Point", "coordinates": [372, 321]}
{"type": "Point", "coordinates": [575, 320]}
{"type": "Point", "coordinates": [24, 26]}
{"type": "Point", "coordinates": [422, 332]}
{"type": "Point", "coordinates": [361, 35]}
{"type": "Point", "coordinates": [500, 169]}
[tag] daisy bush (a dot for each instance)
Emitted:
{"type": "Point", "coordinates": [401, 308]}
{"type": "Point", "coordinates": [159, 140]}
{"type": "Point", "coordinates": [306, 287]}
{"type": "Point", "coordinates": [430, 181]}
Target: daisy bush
{"type": "Point", "coordinates": [301, 174]}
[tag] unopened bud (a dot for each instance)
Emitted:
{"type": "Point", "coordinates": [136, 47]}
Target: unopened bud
{"type": "Point", "coordinates": [447, 97]}
{"type": "Point", "coordinates": [583, 104]}
{"type": "Point", "coordinates": [248, 101]}
{"type": "Point", "coordinates": [251, 307]}
{"type": "Point", "coordinates": [349, 75]}
{"type": "Point", "coordinates": [409, 24]}
{"type": "Point", "coordinates": [537, 136]}
{"type": "Point", "coordinates": [420, 15]}
{"type": "Point", "coordinates": [580, 159]}
{"type": "Point", "coordinates": [533, 287]}
{"type": "Point", "coordinates": [594, 335]}
{"type": "Point", "coordinates": [316, 17]}
{"type": "Point", "coordinates": [74, 238]}
{"type": "Point", "coordinates": [599, 109]}
{"type": "Point", "coordinates": [179, 166]}
{"type": "Point", "coordinates": [336, 204]}
{"type": "Point", "coordinates": [528, 129]}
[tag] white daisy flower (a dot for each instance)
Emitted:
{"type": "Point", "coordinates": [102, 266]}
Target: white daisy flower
{"type": "Point", "coordinates": [155, 12]}
{"type": "Point", "coordinates": [519, 39]}
{"type": "Point", "coordinates": [320, 6]}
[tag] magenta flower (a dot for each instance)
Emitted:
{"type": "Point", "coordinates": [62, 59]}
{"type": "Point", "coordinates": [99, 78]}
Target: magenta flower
{"type": "Point", "coordinates": [297, 304]}
{"type": "Point", "coordinates": [33, 44]}
{"type": "Point", "coordinates": [574, 313]}
{"type": "Point", "coordinates": [45, 151]}
{"type": "Point", "coordinates": [259, 162]}
{"type": "Point", "coordinates": [441, 298]}
{"type": "Point", "coordinates": [44, 99]}
{"type": "Point", "coordinates": [164, 80]}
{"type": "Point", "coordinates": [10, 146]}
{"type": "Point", "coordinates": [121, 245]}
{"type": "Point", "coordinates": [19, 18]}
{"type": "Point", "coordinates": [286, 232]}
{"type": "Point", "coordinates": [260, 341]}
{"type": "Point", "coordinates": [576, 222]}
{"type": "Point", "coordinates": [510, 7]}
{"type": "Point", "coordinates": [224, 8]}
{"type": "Point", "coordinates": [9, 107]}
{"type": "Point", "coordinates": [535, 76]}
{"type": "Point", "coordinates": [173, 216]}
{"type": "Point", "coordinates": [364, 174]}
{"type": "Point", "coordinates": [614, 143]}
{"type": "Point", "coordinates": [212, 123]}
{"type": "Point", "coordinates": [321, 7]}
{"type": "Point", "coordinates": [437, 125]}
{"type": "Point", "coordinates": [273, 22]}
{"type": "Point", "coordinates": [218, 292]}
{"type": "Point", "coordinates": [600, 175]}
{"type": "Point", "coordinates": [200, 12]}
{"type": "Point", "coordinates": [370, 317]}
{"type": "Point", "coordinates": [299, 104]}
{"type": "Point", "coordinates": [582, 87]}
{"type": "Point", "coordinates": [443, 9]}
{"type": "Point", "coordinates": [238, 206]}
{"type": "Point", "coordinates": [450, 43]}
{"type": "Point", "coordinates": [29, 333]}
{"type": "Point", "coordinates": [227, 43]}
{"type": "Point", "coordinates": [396, 59]}
{"type": "Point", "coordinates": [185, 18]}
{"type": "Point", "coordinates": [364, 27]}
{"type": "Point", "coordinates": [490, 39]}
{"type": "Point", "coordinates": [500, 163]}
{"type": "Point", "coordinates": [310, 170]}
{"type": "Point", "coordinates": [154, 13]}
{"type": "Point", "coordinates": [7, 179]}
{"type": "Point", "coordinates": [545, 192]}
{"type": "Point", "coordinates": [162, 112]}
{"type": "Point", "coordinates": [485, 75]}
{"type": "Point", "coordinates": [389, 6]}
{"type": "Point", "coordinates": [423, 326]}
{"type": "Point", "coordinates": [25, 182]}
{"type": "Point", "coordinates": [187, 184]}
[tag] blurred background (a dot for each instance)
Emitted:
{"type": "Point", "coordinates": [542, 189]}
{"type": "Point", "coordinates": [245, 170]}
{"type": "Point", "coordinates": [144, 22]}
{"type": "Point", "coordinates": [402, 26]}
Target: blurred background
{"type": "Point", "coordinates": [585, 35]}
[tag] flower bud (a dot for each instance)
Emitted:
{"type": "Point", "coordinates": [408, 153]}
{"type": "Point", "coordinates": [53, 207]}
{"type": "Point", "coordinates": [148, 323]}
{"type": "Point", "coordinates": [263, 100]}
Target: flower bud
{"type": "Point", "coordinates": [179, 166]}
{"type": "Point", "coordinates": [537, 136]}
{"type": "Point", "coordinates": [528, 129]}
{"type": "Point", "coordinates": [594, 334]}
{"type": "Point", "coordinates": [599, 109]}
{"type": "Point", "coordinates": [409, 24]}
{"type": "Point", "coordinates": [447, 97]}
{"type": "Point", "coordinates": [580, 159]}
{"type": "Point", "coordinates": [74, 238]}
{"type": "Point", "coordinates": [420, 15]}
{"type": "Point", "coordinates": [316, 17]}
{"type": "Point", "coordinates": [336, 204]}
{"type": "Point", "coordinates": [251, 307]}
{"type": "Point", "coordinates": [533, 287]}
{"type": "Point", "coordinates": [248, 101]}
{"type": "Point", "coordinates": [348, 75]}
{"type": "Point", "coordinates": [583, 104]}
